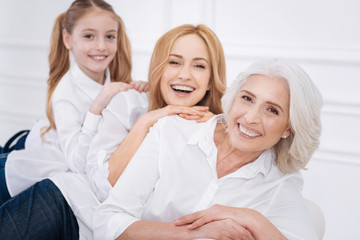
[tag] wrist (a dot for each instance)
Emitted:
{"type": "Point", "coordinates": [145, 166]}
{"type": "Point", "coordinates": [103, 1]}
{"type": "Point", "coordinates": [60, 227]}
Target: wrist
{"type": "Point", "coordinates": [95, 109]}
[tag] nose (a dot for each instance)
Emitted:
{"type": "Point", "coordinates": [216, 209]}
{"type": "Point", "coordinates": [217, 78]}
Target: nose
{"type": "Point", "coordinates": [100, 44]}
{"type": "Point", "coordinates": [253, 114]}
{"type": "Point", "coordinates": [185, 73]}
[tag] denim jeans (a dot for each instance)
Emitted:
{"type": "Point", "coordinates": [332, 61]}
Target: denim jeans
{"type": "Point", "coordinates": [4, 193]}
{"type": "Point", "coordinates": [40, 212]}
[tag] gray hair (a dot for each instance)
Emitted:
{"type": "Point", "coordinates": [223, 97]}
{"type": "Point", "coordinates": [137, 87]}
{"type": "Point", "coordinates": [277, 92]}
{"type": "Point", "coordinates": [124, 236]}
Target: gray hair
{"type": "Point", "coordinates": [294, 152]}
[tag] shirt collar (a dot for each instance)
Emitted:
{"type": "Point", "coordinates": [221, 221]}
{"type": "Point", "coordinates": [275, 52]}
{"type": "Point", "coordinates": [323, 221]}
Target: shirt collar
{"type": "Point", "coordinates": [205, 132]}
{"type": "Point", "coordinates": [204, 137]}
{"type": "Point", "coordinates": [86, 84]}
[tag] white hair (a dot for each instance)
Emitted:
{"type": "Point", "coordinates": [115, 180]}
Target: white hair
{"type": "Point", "coordinates": [294, 152]}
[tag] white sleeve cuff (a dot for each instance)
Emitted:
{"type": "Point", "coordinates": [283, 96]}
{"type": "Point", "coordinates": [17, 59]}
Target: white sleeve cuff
{"type": "Point", "coordinates": [91, 121]}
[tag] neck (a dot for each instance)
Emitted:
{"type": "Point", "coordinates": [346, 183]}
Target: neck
{"type": "Point", "coordinates": [229, 159]}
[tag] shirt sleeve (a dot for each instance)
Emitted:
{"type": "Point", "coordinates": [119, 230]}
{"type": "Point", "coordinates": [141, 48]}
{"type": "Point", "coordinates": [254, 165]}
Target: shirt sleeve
{"type": "Point", "coordinates": [288, 212]}
{"type": "Point", "coordinates": [118, 118]}
{"type": "Point", "coordinates": [75, 134]}
{"type": "Point", "coordinates": [127, 199]}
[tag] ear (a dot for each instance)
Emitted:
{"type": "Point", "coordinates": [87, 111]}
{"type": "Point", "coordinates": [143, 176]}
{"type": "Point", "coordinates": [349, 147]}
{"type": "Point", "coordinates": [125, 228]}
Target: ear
{"type": "Point", "coordinates": [287, 132]}
{"type": "Point", "coordinates": [66, 39]}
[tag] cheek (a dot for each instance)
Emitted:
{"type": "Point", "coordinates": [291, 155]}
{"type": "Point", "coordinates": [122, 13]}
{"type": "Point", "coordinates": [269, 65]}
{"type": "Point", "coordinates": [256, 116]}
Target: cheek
{"type": "Point", "coordinates": [204, 80]}
{"type": "Point", "coordinates": [113, 48]}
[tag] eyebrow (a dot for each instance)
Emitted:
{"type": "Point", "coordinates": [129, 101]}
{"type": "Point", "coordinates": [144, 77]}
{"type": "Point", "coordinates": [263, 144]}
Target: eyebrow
{"type": "Point", "coordinates": [94, 30]}
{"type": "Point", "coordinates": [269, 102]}
{"type": "Point", "coordinates": [197, 58]}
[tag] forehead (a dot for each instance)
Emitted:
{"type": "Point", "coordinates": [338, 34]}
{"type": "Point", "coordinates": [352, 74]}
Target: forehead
{"type": "Point", "coordinates": [190, 45]}
{"type": "Point", "coordinates": [268, 88]}
{"type": "Point", "coordinates": [97, 19]}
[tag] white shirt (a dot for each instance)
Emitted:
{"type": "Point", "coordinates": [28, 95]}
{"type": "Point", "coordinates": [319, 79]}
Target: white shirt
{"type": "Point", "coordinates": [118, 118]}
{"type": "Point", "coordinates": [174, 173]}
{"type": "Point", "coordinates": [67, 147]}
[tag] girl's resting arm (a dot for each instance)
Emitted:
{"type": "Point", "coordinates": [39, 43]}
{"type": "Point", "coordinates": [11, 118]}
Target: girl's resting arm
{"type": "Point", "coordinates": [119, 116]}
{"type": "Point", "coordinates": [75, 133]}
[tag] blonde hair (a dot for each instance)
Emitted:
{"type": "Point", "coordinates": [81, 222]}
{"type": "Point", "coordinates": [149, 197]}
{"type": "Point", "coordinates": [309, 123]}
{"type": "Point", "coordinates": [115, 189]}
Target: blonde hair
{"type": "Point", "coordinates": [217, 61]}
{"type": "Point", "coordinates": [295, 151]}
{"type": "Point", "coordinates": [59, 62]}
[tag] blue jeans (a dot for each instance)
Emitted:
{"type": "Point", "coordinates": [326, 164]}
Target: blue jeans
{"type": "Point", "coordinates": [40, 212]}
{"type": "Point", "coordinates": [4, 193]}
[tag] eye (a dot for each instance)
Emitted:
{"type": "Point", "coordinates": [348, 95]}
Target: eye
{"type": "Point", "coordinates": [110, 37]}
{"type": "Point", "coordinates": [273, 110]}
{"type": "Point", "coordinates": [173, 62]}
{"type": "Point", "coordinates": [247, 98]}
{"type": "Point", "coordinates": [200, 66]}
{"type": "Point", "coordinates": [89, 36]}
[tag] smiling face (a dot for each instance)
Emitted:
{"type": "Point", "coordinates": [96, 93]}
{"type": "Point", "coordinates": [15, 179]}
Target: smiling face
{"type": "Point", "coordinates": [93, 42]}
{"type": "Point", "coordinates": [186, 76]}
{"type": "Point", "coordinates": [259, 115]}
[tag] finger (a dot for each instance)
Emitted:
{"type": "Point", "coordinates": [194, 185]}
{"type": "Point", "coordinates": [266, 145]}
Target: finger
{"type": "Point", "coordinates": [201, 108]}
{"type": "Point", "coordinates": [200, 222]}
{"type": "Point", "coordinates": [184, 110]}
{"type": "Point", "coordinates": [189, 117]}
{"type": "Point", "coordinates": [187, 219]}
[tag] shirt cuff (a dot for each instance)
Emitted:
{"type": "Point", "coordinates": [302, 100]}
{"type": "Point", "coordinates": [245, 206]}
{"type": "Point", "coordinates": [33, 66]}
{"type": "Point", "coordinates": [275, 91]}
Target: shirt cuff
{"type": "Point", "coordinates": [91, 121]}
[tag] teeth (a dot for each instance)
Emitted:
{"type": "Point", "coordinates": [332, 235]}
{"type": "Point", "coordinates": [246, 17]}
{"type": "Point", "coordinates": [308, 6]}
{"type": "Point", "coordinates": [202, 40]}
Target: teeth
{"type": "Point", "coordinates": [182, 88]}
{"type": "Point", "coordinates": [246, 132]}
{"type": "Point", "coordinates": [99, 57]}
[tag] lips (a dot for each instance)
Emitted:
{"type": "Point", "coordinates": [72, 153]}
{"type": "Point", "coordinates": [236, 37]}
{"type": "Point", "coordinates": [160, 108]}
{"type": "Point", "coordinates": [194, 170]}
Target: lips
{"type": "Point", "coordinates": [248, 132]}
{"type": "Point", "coordinates": [182, 88]}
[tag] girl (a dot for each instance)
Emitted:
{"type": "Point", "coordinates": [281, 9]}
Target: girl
{"type": "Point", "coordinates": [94, 36]}
{"type": "Point", "coordinates": [187, 68]}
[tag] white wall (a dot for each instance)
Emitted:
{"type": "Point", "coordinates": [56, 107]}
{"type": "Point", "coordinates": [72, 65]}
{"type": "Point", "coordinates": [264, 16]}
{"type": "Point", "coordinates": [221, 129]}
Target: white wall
{"type": "Point", "coordinates": [323, 36]}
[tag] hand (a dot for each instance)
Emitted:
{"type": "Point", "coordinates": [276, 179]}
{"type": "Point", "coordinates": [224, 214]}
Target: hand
{"type": "Point", "coordinates": [222, 229]}
{"type": "Point", "coordinates": [207, 115]}
{"type": "Point", "coordinates": [140, 86]}
{"type": "Point", "coordinates": [152, 116]}
{"type": "Point", "coordinates": [105, 95]}
{"type": "Point", "coordinates": [214, 213]}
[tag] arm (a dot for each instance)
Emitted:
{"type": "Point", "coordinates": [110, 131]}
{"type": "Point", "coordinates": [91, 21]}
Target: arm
{"type": "Point", "coordinates": [118, 118]}
{"type": "Point", "coordinates": [221, 229]}
{"type": "Point", "coordinates": [285, 216]}
{"type": "Point", "coordinates": [255, 222]}
{"type": "Point", "coordinates": [75, 131]}
{"type": "Point", "coordinates": [122, 156]}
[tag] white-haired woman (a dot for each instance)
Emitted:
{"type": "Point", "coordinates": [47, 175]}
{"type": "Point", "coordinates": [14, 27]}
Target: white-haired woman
{"type": "Point", "coordinates": [235, 176]}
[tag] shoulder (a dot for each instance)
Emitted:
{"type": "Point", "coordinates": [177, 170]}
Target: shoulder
{"type": "Point", "coordinates": [64, 88]}
{"type": "Point", "coordinates": [128, 99]}
{"type": "Point", "coordinates": [127, 104]}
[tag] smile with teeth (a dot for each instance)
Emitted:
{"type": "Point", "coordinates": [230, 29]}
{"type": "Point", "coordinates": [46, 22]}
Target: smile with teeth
{"type": "Point", "coordinates": [247, 132]}
{"type": "Point", "coordinates": [98, 57]}
{"type": "Point", "coordinates": [182, 88]}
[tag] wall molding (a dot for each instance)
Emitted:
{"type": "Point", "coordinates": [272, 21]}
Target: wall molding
{"type": "Point", "coordinates": [23, 80]}
{"type": "Point", "coordinates": [32, 44]}
{"type": "Point", "coordinates": [329, 54]}
{"type": "Point", "coordinates": [337, 156]}
{"type": "Point", "coordinates": [341, 108]}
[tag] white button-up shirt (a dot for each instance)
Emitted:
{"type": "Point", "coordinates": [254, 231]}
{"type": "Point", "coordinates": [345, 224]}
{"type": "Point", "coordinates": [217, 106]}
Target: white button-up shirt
{"type": "Point", "coordinates": [174, 173]}
{"type": "Point", "coordinates": [119, 116]}
{"type": "Point", "coordinates": [66, 148]}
